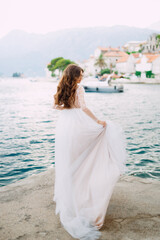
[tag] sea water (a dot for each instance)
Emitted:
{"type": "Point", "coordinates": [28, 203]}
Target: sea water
{"type": "Point", "coordinates": [27, 126]}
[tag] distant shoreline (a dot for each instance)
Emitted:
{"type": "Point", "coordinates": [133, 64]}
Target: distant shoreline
{"type": "Point", "coordinates": [117, 81]}
{"type": "Point", "coordinates": [140, 81]}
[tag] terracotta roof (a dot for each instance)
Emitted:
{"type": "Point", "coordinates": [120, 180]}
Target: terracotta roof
{"type": "Point", "coordinates": [106, 75]}
{"type": "Point", "coordinates": [136, 55]}
{"type": "Point", "coordinates": [123, 59]}
{"type": "Point", "coordinates": [114, 49]}
{"type": "Point", "coordinates": [148, 54]}
{"type": "Point", "coordinates": [138, 61]}
{"type": "Point", "coordinates": [103, 48]}
{"type": "Point", "coordinates": [106, 49]}
{"type": "Point", "coordinates": [115, 54]}
{"type": "Point", "coordinates": [150, 57]}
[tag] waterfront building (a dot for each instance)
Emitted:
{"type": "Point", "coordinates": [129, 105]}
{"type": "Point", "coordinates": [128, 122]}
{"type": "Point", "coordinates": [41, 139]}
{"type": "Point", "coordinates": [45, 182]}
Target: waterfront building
{"type": "Point", "coordinates": [148, 62]}
{"type": "Point", "coordinates": [133, 46]}
{"type": "Point", "coordinates": [152, 45]}
{"type": "Point", "coordinates": [126, 64]}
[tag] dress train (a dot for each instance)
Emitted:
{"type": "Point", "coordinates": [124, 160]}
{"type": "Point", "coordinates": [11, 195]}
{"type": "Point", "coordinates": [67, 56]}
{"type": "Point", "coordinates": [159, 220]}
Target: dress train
{"type": "Point", "coordinates": [89, 160]}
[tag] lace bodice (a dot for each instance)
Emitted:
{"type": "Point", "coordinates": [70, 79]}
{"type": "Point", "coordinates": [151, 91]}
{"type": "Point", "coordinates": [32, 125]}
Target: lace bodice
{"type": "Point", "coordinates": [80, 97]}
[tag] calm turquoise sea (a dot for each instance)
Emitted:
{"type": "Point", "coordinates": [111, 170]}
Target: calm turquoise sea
{"type": "Point", "coordinates": [27, 126]}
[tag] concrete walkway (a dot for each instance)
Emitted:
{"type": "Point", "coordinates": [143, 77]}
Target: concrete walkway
{"type": "Point", "coordinates": [27, 211]}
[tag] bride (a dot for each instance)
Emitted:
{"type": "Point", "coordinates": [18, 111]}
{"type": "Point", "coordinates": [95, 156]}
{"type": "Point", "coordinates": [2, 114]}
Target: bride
{"type": "Point", "coordinates": [90, 156]}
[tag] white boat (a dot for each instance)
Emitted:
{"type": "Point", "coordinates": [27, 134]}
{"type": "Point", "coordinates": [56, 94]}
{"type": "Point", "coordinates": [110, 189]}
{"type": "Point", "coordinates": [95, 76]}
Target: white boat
{"type": "Point", "coordinates": [102, 87]}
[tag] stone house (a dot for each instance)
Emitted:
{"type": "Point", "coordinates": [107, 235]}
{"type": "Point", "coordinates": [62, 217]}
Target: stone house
{"type": "Point", "coordinates": [126, 64]}
{"type": "Point", "coordinates": [149, 62]}
{"type": "Point", "coordinates": [133, 46]}
{"type": "Point", "coordinates": [152, 45]}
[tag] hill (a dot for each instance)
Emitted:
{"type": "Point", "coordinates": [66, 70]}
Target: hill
{"type": "Point", "coordinates": [30, 53]}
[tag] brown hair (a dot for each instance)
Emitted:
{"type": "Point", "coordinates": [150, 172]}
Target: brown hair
{"type": "Point", "coordinates": [67, 86]}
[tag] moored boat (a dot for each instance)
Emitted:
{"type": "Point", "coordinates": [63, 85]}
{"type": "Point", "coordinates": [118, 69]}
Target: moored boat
{"type": "Point", "coordinates": [102, 87]}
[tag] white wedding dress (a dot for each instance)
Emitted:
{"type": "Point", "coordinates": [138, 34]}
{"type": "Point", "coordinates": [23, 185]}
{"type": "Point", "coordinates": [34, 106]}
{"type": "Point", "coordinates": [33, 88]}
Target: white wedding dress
{"type": "Point", "coordinates": [89, 159]}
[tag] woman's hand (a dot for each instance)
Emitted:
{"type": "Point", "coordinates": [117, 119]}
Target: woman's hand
{"type": "Point", "coordinates": [102, 123]}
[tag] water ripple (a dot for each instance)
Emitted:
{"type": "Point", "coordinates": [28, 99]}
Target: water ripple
{"type": "Point", "coordinates": [27, 139]}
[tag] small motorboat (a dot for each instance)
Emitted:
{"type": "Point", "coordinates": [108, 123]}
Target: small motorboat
{"type": "Point", "coordinates": [102, 87]}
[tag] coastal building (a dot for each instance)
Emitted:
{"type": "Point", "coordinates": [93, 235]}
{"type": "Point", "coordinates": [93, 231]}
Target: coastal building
{"type": "Point", "coordinates": [133, 46]}
{"type": "Point", "coordinates": [111, 55]}
{"type": "Point", "coordinates": [123, 62]}
{"type": "Point", "coordinates": [126, 64]}
{"type": "Point", "coordinates": [89, 67]}
{"type": "Point", "coordinates": [149, 62]}
{"type": "Point", "coordinates": [152, 45]}
{"type": "Point", "coordinates": [102, 50]}
{"type": "Point", "coordinates": [156, 66]}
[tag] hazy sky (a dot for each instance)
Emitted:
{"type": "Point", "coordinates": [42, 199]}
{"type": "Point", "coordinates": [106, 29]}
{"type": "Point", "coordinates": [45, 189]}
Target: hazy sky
{"type": "Point", "coordinates": [42, 16]}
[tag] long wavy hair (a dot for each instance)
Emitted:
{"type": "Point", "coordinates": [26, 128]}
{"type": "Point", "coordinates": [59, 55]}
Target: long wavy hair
{"type": "Point", "coordinates": [65, 95]}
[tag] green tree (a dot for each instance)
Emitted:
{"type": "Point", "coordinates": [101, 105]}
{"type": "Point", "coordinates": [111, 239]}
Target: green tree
{"type": "Point", "coordinates": [106, 70]}
{"type": "Point", "coordinates": [100, 62]}
{"type": "Point", "coordinates": [158, 36]}
{"type": "Point", "coordinates": [16, 74]}
{"type": "Point", "coordinates": [51, 66]}
{"type": "Point", "coordinates": [149, 74]}
{"type": "Point", "coordinates": [53, 61]}
{"type": "Point", "coordinates": [59, 63]}
{"type": "Point", "coordinates": [62, 64]}
{"type": "Point", "coordinates": [133, 52]}
{"type": "Point", "coordinates": [138, 74]}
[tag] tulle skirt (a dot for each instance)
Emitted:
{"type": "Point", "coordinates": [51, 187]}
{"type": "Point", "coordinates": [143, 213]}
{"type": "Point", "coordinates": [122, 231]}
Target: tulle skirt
{"type": "Point", "coordinates": [89, 160]}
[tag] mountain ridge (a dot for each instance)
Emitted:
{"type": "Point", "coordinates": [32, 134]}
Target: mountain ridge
{"type": "Point", "coordinates": [29, 53]}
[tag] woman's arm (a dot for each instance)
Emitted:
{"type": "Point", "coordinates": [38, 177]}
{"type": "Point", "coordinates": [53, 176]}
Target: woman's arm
{"type": "Point", "coordinates": [82, 103]}
{"type": "Point", "coordinates": [89, 113]}
{"type": "Point", "coordinates": [81, 100]}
